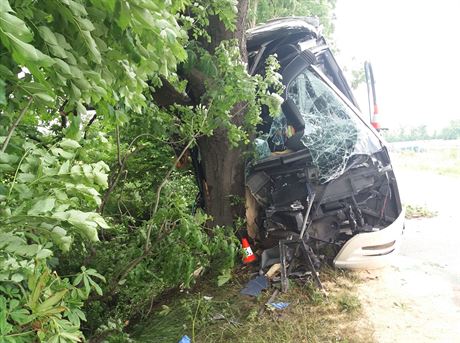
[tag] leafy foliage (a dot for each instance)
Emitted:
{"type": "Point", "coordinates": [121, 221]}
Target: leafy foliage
{"type": "Point", "coordinates": [92, 206]}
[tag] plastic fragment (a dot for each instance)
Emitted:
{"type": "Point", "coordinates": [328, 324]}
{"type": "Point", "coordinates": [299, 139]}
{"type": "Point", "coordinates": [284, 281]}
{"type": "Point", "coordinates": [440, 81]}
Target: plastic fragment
{"type": "Point", "coordinates": [278, 306]}
{"type": "Point", "coordinates": [185, 339]}
{"type": "Point", "coordinates": [255, 286]}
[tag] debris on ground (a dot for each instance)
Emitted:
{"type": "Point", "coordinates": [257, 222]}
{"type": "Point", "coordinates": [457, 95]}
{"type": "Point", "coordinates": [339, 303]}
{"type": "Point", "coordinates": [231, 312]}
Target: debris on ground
{"type": "Point", "coordinates": [255, 286]}
{"type": "Point", "coordinates": [278, 305]}
{"type": "Point", "coordinates": [185, 339]}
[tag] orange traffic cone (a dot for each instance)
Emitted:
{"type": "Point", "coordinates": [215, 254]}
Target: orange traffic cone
{"type": "Point", "coordinates": [375, 122]}
{"type": "Point", "coordinates": [248, 255]}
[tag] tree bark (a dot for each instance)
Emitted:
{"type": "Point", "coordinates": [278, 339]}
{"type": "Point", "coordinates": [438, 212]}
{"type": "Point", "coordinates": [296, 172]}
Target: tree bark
{"type": "Point", "coordinates": [223, 164]}
{"type": "Point", "coordinates": [224, 171]}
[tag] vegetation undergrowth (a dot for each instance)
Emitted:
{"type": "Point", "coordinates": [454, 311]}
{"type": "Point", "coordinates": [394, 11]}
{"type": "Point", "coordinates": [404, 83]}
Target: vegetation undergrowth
{"type": "Point", "coordinates": [418, 211]}
{"type": "Point", "coordinates": [439, 161]}
{"type": "Point", "coordinates": [210, 314]}
{"type": "Point", "coordinates": [102, 103]}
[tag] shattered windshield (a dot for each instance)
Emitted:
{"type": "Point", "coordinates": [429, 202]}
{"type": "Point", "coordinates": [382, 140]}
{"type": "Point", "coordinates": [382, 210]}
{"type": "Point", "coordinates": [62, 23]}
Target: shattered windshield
{"type": "Point", "coordinates": [333, 132]}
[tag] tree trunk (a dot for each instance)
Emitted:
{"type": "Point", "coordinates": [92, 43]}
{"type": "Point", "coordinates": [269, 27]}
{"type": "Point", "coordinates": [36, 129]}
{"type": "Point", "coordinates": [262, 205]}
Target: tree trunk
{"type": "Point", "coordinates": [224, 171]}
{"type": "Point", "coordinates": [223, 165]}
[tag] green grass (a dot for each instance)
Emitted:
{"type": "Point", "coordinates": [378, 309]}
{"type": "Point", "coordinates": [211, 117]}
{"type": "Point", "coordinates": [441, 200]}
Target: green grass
{"type": "Point", "coordinates": [232, 317]}
{"type": "Point", "coordinates": [443, 162]}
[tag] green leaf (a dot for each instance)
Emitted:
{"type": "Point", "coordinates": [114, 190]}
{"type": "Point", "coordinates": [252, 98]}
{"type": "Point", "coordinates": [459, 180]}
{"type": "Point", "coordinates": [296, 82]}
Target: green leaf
{"type": "Point", "coordinates": [42, 206]}
{"type": "Point", "coordinates": [125, 15]}
{"type": "Point", "coordinates": [69, 144]}
{"type": "Point", "coordinates": [97, 218]}
{"type": "Point", "coordinates": [224, 277]}
{"type": "Point", "coordinates": [8, 158]}
{"type": "Point", "coordinates": [5, 6]}
{"type": "Point", "coordinates": [44, 97]}
{"type": "Point", "coordinates": [96, 286]}
{"type": "Point", "coordinates": [74, 127]}
{"type": "Point", "coordinates": [6, 167]}
{"type": "Point", "coordinates": [47, 35]}
{"type": "Point", "coordinates": [75, 90]}
{"type": "Point", "coordinates": [101, 178]}
{"type": "Point", "coordinates": [5, 327]}
{"type": "Point", "coordinates": [109, 4]}
{"type": "Point", "coordinates": [93, 272]}
{"type": "Point", "coordinates": [85, 24]}
{"type": "Point", "coordinates": [82, 221]}
{"type": "Point", "coordinates": [92, 46]}
{"type": "Point", "coordinates": [5, 72]}
{"type": "Point", "coordinates": [27, 52]}
{"type": "Point", "coordinates": [80, 108]}
{"type": "Point", "coordinates": [58, 51]}
{"type": "Point", "coordinates": [44, 253]}
{"type": "Point", "coordinates": [17, 277]}
{"type": "Point", "coordinates": [76, 8]}
{"type": "Point", "coordinates": [63, 67]}
{"type": "Point", "coordinates": [34, 87]}
{"type": "Point", "coordinates": [72, 336]}
{"type": "Point", "coordinates": [15, 26]}
{"type": "Point", "coordinates": [21, 316]}
{"type": "Point", "coordinates": [61, 152]}
{"type": "Point", "coordinates": [51, 301]}
{"type": "Point", "coordinates": [62, 41]}
{"type": "Point", "coordinates": [64, 168]}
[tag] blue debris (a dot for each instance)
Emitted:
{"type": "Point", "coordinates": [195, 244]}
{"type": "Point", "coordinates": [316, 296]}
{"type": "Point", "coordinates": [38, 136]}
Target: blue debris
{"type": "Point", "coordinates": [255, 286]}
{"type": "Point", "coordinates": [278, 306]}
{"type": "Point", "coordinates": [185, 339]}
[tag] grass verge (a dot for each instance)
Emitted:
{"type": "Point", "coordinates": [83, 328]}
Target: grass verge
{"type": "Point", "coordinates": [222, 314]}
{"type": "Point", "coordinates": [416, 211]}
{"type": "Point", "coordinates": [442, 162]}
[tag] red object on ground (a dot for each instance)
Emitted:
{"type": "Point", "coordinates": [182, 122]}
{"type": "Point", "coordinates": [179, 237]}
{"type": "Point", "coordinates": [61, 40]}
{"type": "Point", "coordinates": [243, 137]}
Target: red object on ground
{"type": "Point", "coordinates": [375, 118]}
{"type": "Point", "coordinates": [248, 255]}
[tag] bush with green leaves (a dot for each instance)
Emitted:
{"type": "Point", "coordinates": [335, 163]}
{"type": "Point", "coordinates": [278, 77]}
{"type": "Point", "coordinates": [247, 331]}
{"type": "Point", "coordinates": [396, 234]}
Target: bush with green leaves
{"type": "Point", "coordinates": [47, 198]}
{"type": "Point", "coordinates": [85, 143]}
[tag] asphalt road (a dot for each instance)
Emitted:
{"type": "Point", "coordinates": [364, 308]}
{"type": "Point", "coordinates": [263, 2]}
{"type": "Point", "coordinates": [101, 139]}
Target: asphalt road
{"type": "Point", "coordinates": [417, 297]}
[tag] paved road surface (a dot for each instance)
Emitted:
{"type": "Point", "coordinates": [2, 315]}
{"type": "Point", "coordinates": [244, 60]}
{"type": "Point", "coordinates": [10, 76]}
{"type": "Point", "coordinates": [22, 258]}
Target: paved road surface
{"type": "Point", "coordinates": [417, 297]}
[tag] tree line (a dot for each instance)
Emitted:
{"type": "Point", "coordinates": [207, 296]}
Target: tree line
{"type": "Point", "coordinates": [405, 134]}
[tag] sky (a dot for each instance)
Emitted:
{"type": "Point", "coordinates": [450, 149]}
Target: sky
{"type": "Point", "coordinates": [414, 47]}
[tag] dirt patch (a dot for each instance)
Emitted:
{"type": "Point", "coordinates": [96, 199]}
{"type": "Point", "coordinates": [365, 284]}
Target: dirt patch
{"type": "Point", "coordinates": [417, 297]}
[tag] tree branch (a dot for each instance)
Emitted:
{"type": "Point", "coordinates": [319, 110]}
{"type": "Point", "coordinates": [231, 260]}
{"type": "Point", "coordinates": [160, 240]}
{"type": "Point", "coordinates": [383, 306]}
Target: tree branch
{"type": "Point", "coordinates": [15, 124]}
{"type": "Point", "coordinates": [168, 95]}
{"type": "Point", "coordinates": [91, 121]}
{"type": "Point", "coordinates": [121, 166]}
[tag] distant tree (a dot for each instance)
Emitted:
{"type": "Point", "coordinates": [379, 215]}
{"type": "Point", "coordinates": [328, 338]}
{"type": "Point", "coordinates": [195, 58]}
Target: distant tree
{"type": "Point", "coordinates": [402, 134]}
{"type": "Point", "coordinates": [358, 78]}
{"type": "Point", "coordinates": [450, 132]}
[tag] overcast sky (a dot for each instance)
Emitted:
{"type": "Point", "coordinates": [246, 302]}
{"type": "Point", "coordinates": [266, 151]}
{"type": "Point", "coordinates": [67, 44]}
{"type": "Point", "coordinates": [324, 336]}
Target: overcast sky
{"type": "Point", "coordinates": [414, 47]}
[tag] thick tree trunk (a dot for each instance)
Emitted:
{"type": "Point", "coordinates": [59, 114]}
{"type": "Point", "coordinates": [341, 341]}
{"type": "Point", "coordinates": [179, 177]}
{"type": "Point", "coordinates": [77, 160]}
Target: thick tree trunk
{"type": "Point", "coordinates": [223, 165]}
{"type": "Point", "coordinates": [224, 171]}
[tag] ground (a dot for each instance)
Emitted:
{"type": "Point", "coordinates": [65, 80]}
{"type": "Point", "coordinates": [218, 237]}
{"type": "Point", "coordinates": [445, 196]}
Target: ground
{"type": "Point", "coordinates": [417, 297]}
{"type": "Point", "coordinates": [414, 299]}
{"type": "Point", "coordinates": [221, 314]}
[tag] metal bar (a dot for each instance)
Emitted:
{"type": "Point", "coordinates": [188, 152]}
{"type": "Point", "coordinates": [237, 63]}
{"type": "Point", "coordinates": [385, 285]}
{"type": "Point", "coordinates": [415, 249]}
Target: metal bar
{"type": "Point", "coordinates": [284, 279]}
{"type": "Point", "coordinates": [311, 265]}
{"type": "Point", "coordinates": [307, 213]}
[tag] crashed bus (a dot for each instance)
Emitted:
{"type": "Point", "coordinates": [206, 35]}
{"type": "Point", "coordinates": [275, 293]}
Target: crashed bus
{"type": "Point", "coordinates": [321, 171]}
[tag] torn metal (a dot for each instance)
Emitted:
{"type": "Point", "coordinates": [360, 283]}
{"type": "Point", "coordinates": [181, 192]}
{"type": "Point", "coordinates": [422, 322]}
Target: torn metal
{"type": "Point", "coordinates": [321, 176]}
